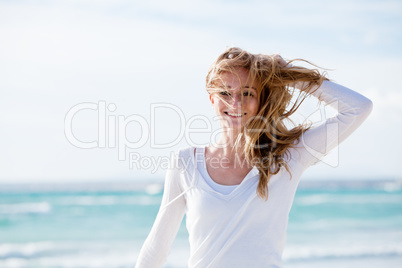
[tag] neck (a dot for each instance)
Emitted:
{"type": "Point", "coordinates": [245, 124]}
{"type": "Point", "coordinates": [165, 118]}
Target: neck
{"type": "Point", "coordinates": [227, 147]}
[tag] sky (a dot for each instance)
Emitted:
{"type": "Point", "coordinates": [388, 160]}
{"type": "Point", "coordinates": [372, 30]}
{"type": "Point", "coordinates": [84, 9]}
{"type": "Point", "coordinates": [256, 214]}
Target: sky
{"type": "Point", "coordinates": [107, 90]}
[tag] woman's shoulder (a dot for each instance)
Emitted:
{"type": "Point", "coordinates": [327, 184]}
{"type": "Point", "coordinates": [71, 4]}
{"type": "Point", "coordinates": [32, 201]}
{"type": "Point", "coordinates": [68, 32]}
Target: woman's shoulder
{"type": "Point", "coordinates": [183, 163]}
{"type": "Point", "coordinates": [184, 157]}
{"type": "Point", "coordinates": [186, 152]}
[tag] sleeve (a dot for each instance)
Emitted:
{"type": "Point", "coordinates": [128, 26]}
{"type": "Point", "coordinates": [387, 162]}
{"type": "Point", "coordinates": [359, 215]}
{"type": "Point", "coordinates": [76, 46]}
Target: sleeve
{"type": "Point", "coordinates": [156, 247]}
{"type": "Point", "coordinates": [352, 110]}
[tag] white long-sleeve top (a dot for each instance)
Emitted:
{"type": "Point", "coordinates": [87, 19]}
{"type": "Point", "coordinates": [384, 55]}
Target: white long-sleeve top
{"type": "Point", "coordinates": [240, 229]}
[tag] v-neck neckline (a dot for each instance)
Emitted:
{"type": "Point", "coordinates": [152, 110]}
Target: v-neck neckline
{"type": "Point", "coordinates": [200, 152]}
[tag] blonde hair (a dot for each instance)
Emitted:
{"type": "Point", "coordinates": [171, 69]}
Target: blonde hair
{"type": "Point", "coordinates": [266, 137]}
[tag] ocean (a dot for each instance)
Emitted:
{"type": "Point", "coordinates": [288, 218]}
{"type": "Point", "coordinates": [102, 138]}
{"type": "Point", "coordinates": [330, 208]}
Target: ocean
{"type": "Point", "coordinates": [331, 224]}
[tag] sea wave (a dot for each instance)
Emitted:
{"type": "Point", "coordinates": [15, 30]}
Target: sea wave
{"type": "Point", "coordinates": [68, 254]}
{"type": "Point", "coordinates": [309, 253]}
{"type": "Point", "coordinates": [26, 208]}
{"type": "Point", "coordinates": [31, 250]}
{"type": "Point", "coordinates": [318, 199]}
{"type": "Point", "coordinates": [107, 200]}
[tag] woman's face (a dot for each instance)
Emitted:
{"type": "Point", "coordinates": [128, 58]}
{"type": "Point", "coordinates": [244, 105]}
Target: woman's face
{"type": "Point", "coordinates": [237, 101]}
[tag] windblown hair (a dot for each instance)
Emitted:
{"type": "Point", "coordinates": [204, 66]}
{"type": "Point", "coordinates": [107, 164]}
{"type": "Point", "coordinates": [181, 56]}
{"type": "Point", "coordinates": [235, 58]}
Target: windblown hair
{"type": "Point", "coordinates": [266, 138]}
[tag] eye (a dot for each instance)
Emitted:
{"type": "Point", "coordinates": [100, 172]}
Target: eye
{"type": "Point", "coordinates": [224, 93]}
{"type": "Point", "coordinates": [247, 94]}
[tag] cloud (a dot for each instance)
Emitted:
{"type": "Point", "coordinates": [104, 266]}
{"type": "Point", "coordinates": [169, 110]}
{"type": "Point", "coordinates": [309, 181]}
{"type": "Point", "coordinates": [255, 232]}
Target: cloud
{"type": "Point", "coordinates": [386, 99]}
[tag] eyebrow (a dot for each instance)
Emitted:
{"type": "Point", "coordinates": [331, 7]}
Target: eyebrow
{"type": "Point", "coordinates": [229, 87]}
{"type": "Point", "coordinates": [250, 87]}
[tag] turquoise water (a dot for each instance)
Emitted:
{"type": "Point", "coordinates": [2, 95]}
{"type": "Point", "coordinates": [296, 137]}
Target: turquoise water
{"type": "Point", "coordinates": [105, 225]}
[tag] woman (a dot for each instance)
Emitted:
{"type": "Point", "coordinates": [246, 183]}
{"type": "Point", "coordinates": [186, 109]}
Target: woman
{"type": "Point", "coordinates": [237, 193]}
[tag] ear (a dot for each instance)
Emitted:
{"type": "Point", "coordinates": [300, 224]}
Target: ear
{"type": "Point", "coordinates": [211, 98]}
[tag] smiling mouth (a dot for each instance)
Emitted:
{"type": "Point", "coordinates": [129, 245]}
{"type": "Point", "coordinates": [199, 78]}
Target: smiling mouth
{"type": "Point", "coordinates": [235, 115]}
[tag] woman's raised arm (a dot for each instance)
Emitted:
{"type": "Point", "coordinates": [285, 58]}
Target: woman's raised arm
{"type": "Point", "coordinates": [352, 107]}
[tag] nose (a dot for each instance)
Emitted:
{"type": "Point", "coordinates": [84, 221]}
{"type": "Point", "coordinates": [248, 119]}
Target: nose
{"type": "Point", "coordinates": [236, 100]}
